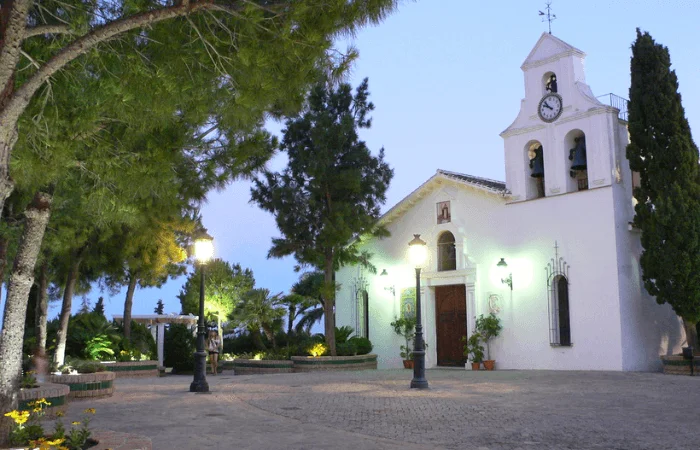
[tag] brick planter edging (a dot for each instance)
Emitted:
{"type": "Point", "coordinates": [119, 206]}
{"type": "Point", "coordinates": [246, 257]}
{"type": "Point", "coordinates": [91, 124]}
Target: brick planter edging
{"type": "Point", "coordinates": [319, 363]}
{"type": "Point", "coordinates": [676, 365]}
{"type": "Point", "coordinates": [261, 367]}
{"type": "Point", "coordinates": [56, 394]}
{"type": "Point", "coordinates": [93, 385]}
{"type": "Point", "coordinates": [133, 369]}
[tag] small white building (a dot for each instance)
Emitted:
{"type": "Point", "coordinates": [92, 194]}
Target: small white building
{"type": "Point", "coordinates": [561, 222]}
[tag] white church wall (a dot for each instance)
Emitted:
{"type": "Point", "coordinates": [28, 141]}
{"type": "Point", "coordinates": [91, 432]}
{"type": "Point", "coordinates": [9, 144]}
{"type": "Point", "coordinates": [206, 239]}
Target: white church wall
{"type": "Point", "coordinates": [587, 245]}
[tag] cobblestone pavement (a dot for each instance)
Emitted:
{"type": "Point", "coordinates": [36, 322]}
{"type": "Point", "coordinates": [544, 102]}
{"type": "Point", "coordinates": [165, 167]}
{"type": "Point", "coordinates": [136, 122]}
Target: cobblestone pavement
{"type": "Point", "coordinates": [375, 409]}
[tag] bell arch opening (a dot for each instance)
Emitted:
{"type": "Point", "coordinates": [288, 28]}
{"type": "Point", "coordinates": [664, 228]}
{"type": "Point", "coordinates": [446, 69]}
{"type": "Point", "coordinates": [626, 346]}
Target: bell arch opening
{"type": "Point", "coordinates": [577, 161]}
{"type": "Point", "coordinates": [549, 83]}
{"type": "Point", "coordinates": [534, 154]}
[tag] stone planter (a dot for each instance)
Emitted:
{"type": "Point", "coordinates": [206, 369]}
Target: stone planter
{"type": "Point", "coordinates": [133, 369]}
{"type": "Point", "coordinates": [324, 363]}
{"type": "Point", "coordinates": [56, 394]}
{"type": "Point", "coordinates": [261, 367]}
{"type": "Point", "coordinates": [676, 365]}
{"type": "Point", "coordinates": [93, 385]}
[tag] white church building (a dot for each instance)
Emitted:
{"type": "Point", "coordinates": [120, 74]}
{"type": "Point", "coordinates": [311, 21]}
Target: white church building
{"type": "Point", "coordinates": [561, 222]}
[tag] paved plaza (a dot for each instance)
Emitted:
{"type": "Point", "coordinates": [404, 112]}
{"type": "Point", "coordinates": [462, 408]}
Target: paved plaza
{"type": "Point", "coordinates": [375, 409]}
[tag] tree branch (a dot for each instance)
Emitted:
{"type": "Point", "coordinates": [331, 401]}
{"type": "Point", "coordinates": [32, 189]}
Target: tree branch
{"type": "Point", "coordinates": [46, 29]}
{"type": "Point", "coordinates": [22, 96]}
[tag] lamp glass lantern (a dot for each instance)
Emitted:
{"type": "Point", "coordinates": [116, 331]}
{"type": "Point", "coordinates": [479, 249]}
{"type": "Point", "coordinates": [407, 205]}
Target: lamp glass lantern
{"type": "Point", "coordinates": [203, 247]}
{"type": "Point", "coordinates": [505, 275]}
{"type": "Point", "coordinates": [417, 251]}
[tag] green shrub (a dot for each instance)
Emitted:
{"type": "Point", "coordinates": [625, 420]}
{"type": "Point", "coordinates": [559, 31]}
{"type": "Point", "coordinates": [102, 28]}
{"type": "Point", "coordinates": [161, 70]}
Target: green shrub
{"type": "Point", "coordinates": [346, 349]}
{"type": "Point", "coordinates": [82, 366]}
{"type": "Point", "coordinates": [363, 345]}
{"type": "Point", "coordinates": [98, 348]}
{"type": "Point", "coordinates": [141, 341]}
{"type": "Point", "coordinates": [242, 343]}
{"type": "Point", "coordinates": [179, 347]}
{"type": "Point", "coordinates": [83, 328]}
{"type": "Point", "coordinates": [342, 334]}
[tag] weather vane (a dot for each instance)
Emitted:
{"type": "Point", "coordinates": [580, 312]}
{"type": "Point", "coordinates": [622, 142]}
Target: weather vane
{"type": "Point", "coordinates": [550, 17]}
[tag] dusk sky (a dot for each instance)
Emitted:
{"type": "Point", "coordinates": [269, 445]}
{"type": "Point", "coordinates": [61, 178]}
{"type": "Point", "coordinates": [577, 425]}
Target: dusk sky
{"type": "Point", "coordinates": [445, 78]}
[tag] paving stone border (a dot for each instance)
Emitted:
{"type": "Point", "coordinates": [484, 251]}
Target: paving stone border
{"type": "Point", "coordinates": [325, 363]}
{"type": "Point", "coordinates": [132, 369]}
{"type": "Point", "coordinates": [56, 394]}
{"type": "Point", "coordinates": [676, 365]}
{"type": "Point", "coordinates": [261, 367]}
{"type": "Point", "coordinates": [93, 385]}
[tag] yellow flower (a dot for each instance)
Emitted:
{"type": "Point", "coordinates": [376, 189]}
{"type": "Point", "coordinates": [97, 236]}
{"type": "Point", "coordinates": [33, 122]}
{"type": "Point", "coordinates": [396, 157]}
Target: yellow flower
{"type": "Point", "coordinates": [59, 414]}
{"type": "Point", "coordinates": [36, 410]}
{"type": "Point", "coordinates": [56, 442]}
{"type": "Point", "coordinates": [76, 423]}
{"type": "Point", "coordinates": [90, 411]}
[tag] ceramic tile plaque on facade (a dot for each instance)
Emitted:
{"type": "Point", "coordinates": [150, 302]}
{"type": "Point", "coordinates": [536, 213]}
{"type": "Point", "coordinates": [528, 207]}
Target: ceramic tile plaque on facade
{"type": "Point", "coordinates": [444, 214]}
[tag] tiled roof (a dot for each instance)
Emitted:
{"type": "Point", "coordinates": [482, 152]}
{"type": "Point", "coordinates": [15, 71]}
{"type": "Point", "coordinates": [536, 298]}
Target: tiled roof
{"type": "Point", "coordinates": [494, 185]}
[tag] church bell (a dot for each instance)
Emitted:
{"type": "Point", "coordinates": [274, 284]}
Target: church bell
{"type": "Point", "coordinates": [537, 164]}
{"type": "Point", "coordinates": [578, 154]}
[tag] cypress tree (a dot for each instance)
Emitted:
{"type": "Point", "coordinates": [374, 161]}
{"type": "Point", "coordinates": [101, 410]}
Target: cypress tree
{"type": "Point", "coordinates": [662, 150]}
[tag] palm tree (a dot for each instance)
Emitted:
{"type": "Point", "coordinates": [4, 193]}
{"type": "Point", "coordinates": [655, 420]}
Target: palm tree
{"type": "Point", "coordinates": [259, 310]}
{"type": "Point", "coordinates": [311, 308]}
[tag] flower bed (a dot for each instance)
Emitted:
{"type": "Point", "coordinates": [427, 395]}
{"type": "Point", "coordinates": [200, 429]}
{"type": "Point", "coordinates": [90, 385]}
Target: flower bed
{"type": "Point", "coordinates": [256, 366]}
{"type": "Point", "coordinates": [676, 365]}
{"type": "Point", "coordinates": [132, 369]}
{"type": "Point", "coordinates": [94, 385]}
{"type": "Point", "coordinates": [56, 394]}
{"type": "Point", "coordinates": [323, 363]}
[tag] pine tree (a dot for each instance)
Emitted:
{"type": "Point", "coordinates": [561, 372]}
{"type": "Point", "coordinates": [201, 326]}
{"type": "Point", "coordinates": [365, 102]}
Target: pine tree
{"type": "Point", "coordinates": [224, 287]}
{"type": "Point", "coordinates": [99, 306]}
{"type": "Point", "coordinates": [331, 191]}
{"type": "Point", "coordinates": [662, 150]}
{"type": "Point", "coordinates": [160, 307]}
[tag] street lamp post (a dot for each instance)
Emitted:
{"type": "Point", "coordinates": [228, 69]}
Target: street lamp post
{"type": "Point", "coordinates": [203, 251]}
{"type": "Point", "coordinates": [418, 253]}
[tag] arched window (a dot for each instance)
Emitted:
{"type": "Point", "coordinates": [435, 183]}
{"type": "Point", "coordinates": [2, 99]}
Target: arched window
{"type": "Point", "coordinates": [561, 324]}
{"type": "Point", "coordinates": [447, 255]}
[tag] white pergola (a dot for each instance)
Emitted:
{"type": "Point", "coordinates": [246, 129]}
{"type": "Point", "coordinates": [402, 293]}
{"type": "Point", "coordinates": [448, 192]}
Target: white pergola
{"type": "Point", "coordinates": [158, 331]}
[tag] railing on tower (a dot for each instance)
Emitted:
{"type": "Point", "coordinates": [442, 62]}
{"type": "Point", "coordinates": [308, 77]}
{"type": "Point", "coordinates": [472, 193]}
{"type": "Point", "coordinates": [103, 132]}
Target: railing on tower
{"type": "Point", "coordinates": [616, 102]}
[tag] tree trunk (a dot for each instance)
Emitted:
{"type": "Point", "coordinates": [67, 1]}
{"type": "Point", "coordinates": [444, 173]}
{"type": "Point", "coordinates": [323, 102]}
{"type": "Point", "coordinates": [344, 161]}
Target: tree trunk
{"type": "Point", "coordinates": [128, 303]}
{"type": "Point", "coordinates": [290, 319]}
{"type": "Point", "coordinates": [42, 308]}
{"type": "Point", "coordinates": [691, 334]}
{"type": "Point", "coordinates": [329, 302]}
{"type": "Point", "coordinates": [12, 334]}
{"type": "Point", "coordinates": [62, 334]}
{"type": "Point", "coordinates": [8, 138]}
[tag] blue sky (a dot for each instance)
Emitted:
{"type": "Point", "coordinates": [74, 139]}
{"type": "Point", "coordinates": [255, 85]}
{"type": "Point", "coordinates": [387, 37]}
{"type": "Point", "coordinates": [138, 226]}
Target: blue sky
{"type": "Point", "coordinates": [445, 78]}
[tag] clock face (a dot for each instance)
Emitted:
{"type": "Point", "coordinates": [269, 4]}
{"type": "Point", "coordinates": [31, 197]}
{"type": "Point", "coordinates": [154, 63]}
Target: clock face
{"type": "Point", "coordinates": [550, 107]}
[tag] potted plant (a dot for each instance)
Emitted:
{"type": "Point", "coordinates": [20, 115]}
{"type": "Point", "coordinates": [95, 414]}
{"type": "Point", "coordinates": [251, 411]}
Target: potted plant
{"type": "Point", "coordinates": [406, 328]}
{"type": "Point", "coordinates": [474, 350]}
{"type": "Point", "coordinates": [488, 327]}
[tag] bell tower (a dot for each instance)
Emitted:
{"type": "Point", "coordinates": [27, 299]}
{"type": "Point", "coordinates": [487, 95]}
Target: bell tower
{"type": "Point", "coordinates": [563, 140]}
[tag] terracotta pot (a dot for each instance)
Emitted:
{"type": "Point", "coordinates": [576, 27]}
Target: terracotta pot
{"type": "Point", "coordinates": [408, 364]}
{"type": "Point", "coordinates": [489, 364]}
{"type": "Point", "coordinates": [476, 366]}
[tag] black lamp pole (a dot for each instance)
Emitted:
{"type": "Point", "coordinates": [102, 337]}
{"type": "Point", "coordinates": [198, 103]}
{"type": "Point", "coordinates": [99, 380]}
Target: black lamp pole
{"type": "Point", "coordinates": [199, 384]}
{"type": "Point", "coordinates": [418, 381]}
{"type": "Point", "coordinates": [200, 357]}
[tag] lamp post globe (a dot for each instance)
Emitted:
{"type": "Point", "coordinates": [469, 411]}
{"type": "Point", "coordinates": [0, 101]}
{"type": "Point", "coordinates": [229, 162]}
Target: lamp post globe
{"type": "Point", "coordinates": [418, 254]}
{"type": "Point", "coordinates": [203, 252]}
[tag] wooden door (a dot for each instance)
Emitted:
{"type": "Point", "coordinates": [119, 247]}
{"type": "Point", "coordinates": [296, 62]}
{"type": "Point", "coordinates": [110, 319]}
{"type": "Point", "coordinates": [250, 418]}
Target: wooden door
{"type": "Point", "coordinates": [451, 320]}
